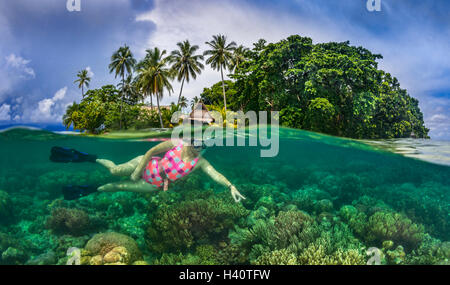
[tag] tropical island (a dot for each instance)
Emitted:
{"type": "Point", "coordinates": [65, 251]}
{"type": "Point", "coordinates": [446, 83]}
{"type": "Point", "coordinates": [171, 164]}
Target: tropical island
{"type": "Point", "coordinates": [332, 88]}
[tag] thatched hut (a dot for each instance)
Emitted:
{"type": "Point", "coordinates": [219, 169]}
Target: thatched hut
{"type": "Point", "coordinates": [201, 113]}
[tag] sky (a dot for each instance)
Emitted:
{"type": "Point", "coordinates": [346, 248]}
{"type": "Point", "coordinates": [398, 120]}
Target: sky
{"type": "Point", "coordinates": [43, 45]}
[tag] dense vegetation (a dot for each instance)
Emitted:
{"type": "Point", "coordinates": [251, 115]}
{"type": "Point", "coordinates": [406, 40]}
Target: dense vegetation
{"type": "Point", "coordinates": [332, 88]}
{"type": "Point", "coordinates": [101, 109]}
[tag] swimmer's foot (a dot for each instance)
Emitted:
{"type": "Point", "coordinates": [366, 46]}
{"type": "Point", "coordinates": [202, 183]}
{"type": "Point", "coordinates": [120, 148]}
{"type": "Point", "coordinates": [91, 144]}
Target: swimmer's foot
{"type": "Point", "coordinates": [73, 192]}
{"type": "Point", "coordinates": [62, 154]}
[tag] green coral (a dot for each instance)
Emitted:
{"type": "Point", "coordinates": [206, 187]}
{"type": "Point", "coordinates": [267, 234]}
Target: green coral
{"type": "Point", "coordinates": [431, 251]}
{"type": "Point", "coordinates": [316, 254]}
{"type": "Point", "coordinates": [180, 226]}
{"type": "Point", "coordinates": [277, 257]}
{"type": "Point", "coordinates": [355, 219]}
{"type": "Point", "coordinates": [396, 256]}
{"type": "Point", "coordinates": [287, 229]}
{"type": "Point", "coordinates": [308, 199]}
{"type": "Point", "coordinates": [393, 226]}
{"type": "Point", "coordinates": [291, 229]}
{"type": "Point", "coordinates": [6, 209]}
{"type": "Point", "coordinates": [204, 255]}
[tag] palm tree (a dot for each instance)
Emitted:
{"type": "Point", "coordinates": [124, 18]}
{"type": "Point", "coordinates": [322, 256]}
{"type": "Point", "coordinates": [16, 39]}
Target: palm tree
{"type": "Point", "coordinates": [194, 101]}
{"type": "Point", "coordinates": [183, 102]}
{"type": "Point", "coordinates": [259, 45]}
{"type": "Point", "coordinates": [83, 80]}
{"type": "Point", "coordinates": [141, 84]}
{"type": "Point", "coordinates": [122, 61]}
{"type": "Point", "coordinates": [68, 118]}
{"type": "Point", "coordinates": [139, 93]}
{"type": "Point", "coordinates": [185, 63]}
{"type": "Point", "coordinates": [155, 75]}
{"type": "Point", "coordinates": [129, 90]}
{"type": "Point", "coordinates": [239, 56]}
{"type": "Point", "coordinates": [220, 58]}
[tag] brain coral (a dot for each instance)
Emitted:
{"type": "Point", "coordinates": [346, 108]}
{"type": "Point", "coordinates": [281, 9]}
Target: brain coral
{"type": "Point", "coordinates": [114, 247]}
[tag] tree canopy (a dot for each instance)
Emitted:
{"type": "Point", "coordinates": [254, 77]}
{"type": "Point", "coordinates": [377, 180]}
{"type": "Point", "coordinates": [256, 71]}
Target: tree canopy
{"type": "Point", "coordinates": [333, 88]}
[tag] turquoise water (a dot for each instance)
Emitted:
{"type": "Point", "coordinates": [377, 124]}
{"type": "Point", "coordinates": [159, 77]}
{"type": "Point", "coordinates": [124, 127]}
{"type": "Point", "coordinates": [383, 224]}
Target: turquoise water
{"type": "Point", "coordinates": [321, 200]}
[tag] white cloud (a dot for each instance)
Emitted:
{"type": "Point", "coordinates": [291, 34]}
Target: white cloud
{"type": "Point", "coordinates": [437, 117]}
{"type": "Point", "coordinates": [59, 95]}
{"type": "Point", "coordinates": [13, 70]}
{"type": "Point", "coordinates": [20, 65]}
{"type": "Point", "coordinates": [48, 109]}
{"type": "Point", "coordinates": [5, 112]}
{"type": "Point", "coordinates": [90, 73]}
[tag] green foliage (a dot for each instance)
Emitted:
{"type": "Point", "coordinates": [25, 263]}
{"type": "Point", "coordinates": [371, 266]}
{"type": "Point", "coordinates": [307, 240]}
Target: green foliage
{"type": "Point", "coordinates": [320, 116]}
{"type": "Point", "coordinates": [338, 88]}
{"type": "Point", "coordinates": [101, 109]}
{"type": "Point", "coordinates": [291, 117]}
{"type": "Point", "coordinates": [214, 96]}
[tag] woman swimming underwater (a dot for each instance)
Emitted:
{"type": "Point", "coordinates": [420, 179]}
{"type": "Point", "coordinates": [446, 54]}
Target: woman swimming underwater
{"type": "Point", "coordinates": [147, 172]}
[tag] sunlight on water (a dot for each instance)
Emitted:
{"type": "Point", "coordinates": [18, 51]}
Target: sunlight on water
{"type": "Point", "coordinates": [428, 150]}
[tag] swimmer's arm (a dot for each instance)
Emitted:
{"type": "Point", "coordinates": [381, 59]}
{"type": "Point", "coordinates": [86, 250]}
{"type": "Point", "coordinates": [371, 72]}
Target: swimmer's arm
{"type": "Point", "coordinates": [219, 178]}
{"type": "Point", "coordinates": [160, 148]}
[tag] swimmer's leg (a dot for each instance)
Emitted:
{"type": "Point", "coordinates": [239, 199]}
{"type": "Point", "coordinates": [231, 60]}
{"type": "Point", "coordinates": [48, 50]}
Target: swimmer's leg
{"type": "Point", "coordinates": [124, 169]}
{"type": "Point", "coordinates": [129, 186]}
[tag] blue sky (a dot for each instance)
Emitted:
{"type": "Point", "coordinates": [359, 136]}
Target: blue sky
{"type": "Point", "coordinates": [43, 45]}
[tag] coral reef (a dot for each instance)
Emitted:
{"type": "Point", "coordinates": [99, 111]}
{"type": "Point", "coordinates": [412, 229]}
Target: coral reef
{"type": "Point", "coordinates": [13, 256]}
{"type": "Point", "coordinates": [277, 257]}
{"type": "Point", "coordinates": [385, 225]}
{"type": "Point", "coordinates": [111, 248]}
{"type": "Point", "coordinates": [333, 204]}
{"type": "Point", "coordinates": [47, 258]}
{"type": "Point", "coordinates": [180, 226]}
{"type": "Point", "coordinates": [6, 210]}
{"type": "Point", "coordinates": [68, 221]}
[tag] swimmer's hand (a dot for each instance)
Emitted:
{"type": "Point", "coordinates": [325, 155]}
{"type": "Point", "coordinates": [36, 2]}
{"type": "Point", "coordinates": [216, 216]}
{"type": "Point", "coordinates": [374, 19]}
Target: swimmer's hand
{"type": "Point", "coordinates": [236, 195]}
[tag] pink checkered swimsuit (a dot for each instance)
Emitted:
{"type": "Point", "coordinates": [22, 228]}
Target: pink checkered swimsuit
{"type": "Point", "coordinates": [174, 167]}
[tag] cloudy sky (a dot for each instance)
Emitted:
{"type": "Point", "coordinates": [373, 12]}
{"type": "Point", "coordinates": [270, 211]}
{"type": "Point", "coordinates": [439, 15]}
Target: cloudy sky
{"type": "Point", "coordinates": [43, 45]}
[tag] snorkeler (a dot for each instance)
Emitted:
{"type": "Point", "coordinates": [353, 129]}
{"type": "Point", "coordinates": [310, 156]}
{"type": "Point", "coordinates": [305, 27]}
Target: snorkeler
{"type": "Point", "coordinates": [147, 172]}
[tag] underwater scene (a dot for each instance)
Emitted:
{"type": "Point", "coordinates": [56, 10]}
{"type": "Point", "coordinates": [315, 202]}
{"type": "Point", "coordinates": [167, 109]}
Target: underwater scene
{"type": "Point", "coordinates": [322, 200]}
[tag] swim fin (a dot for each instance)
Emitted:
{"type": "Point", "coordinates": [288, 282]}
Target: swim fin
{"type": "Point", "coordinates": [63, 154]}
{"type": "Point", "coordinates": [73, 192]}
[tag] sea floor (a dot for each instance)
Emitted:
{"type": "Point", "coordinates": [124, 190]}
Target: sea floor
{"type": "Point", "coordinates": [321, 200]}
